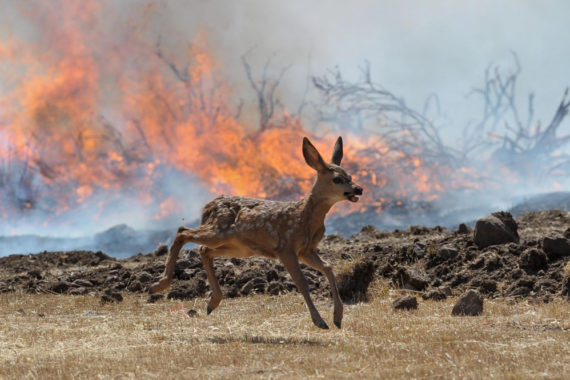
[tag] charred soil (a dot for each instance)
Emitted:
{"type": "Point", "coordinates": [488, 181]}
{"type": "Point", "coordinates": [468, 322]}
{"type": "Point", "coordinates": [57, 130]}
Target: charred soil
{"type": "Point", "coordinates": [419, 259]}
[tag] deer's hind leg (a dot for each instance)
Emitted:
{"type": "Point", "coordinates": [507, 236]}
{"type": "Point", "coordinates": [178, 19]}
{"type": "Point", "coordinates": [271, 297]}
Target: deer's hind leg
{"type": "Point", "coordinates": [314, 261]}
{"type": "Point", "coordinates": [207, 254]}
{"type": "Point", "coordinates": [203, 235]}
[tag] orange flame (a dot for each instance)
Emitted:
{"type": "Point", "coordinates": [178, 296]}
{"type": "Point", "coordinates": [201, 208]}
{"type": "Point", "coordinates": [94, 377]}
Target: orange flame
{"type": "Point", "coordinates": [92, 113]}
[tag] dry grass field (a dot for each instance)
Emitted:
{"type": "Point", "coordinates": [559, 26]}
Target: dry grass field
{"type": "Point", "coordinates": [57, 336]}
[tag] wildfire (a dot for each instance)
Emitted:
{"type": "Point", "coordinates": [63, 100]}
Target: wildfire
{"type": "Point", "coordinates": [86, 115]}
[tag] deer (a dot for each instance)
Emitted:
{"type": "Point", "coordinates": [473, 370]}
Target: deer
{"type": "Point", "coordinates": [240, 227]}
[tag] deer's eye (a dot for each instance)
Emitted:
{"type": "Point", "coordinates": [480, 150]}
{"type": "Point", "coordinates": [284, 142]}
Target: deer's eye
{"type": "Point", "coordinates": [337, 180]}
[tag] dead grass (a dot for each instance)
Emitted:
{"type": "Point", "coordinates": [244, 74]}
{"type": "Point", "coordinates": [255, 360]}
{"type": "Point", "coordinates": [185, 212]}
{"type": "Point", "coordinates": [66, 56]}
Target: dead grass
{"type": "Point", "coordinates": [49, 336]}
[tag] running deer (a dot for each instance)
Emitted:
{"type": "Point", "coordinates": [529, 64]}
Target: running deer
{"type": "Point", "coordinates": [290, 231]}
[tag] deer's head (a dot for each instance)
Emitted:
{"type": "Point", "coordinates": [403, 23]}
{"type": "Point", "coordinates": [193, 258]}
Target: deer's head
{"type": "Point", "coordinates": [333, 182]}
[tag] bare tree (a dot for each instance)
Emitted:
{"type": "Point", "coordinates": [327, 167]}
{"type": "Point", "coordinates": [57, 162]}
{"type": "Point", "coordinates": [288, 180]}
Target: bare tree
{"type": "Point", "coordinates": [524, 145]}
{"type": "Point", "coordinates": [265, 91]}
{"type": "Point", "coordinates": [368, 107]}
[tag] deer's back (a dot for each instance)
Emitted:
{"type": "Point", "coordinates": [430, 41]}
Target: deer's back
{"type": "Point", "coordinates": [253, 221]}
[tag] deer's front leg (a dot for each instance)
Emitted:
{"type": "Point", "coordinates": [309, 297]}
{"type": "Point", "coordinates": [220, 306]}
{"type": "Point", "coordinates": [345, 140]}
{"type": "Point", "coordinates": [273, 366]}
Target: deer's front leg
{"type": "Point", "coordinates": [291, 263]}
{"type": "Point", "coordinates": [314, 261]}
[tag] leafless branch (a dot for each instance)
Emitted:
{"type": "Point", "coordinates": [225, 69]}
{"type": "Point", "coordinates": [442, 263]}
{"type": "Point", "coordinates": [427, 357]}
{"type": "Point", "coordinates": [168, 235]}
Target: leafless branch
{"type": "Point", "coordinates": [365, 104]}
{"type": "Point", "coordinates": [265, 90]}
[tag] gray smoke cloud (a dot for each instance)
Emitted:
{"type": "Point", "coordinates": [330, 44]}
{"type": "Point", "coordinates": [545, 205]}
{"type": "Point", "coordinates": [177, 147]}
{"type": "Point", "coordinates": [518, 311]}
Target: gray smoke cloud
{"type": "Point", "coordinates": [415, 48]}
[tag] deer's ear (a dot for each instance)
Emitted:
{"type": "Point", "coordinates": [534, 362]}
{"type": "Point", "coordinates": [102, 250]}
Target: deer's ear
{"type": "Point", "coordinates": [337, 152]}
{"type": "Point", "coordinates": [312, 156]}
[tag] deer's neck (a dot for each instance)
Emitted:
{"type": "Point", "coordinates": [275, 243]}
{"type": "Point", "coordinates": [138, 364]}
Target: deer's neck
{"type": "Point", "coordinates": [315, 209]}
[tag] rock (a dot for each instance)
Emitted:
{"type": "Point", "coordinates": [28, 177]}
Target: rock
{"type": "Point", "coordinates": [446, 290]}
{"type": "Point", "coordinates": [184, 264]}
{"type": "Point", "coordinates": [405, 303]}
{"type": "Point", "coordinates": [111, 296]}
{"type": "Point", "coordinates": [419, 250]}
{"type": "Point", "coordinates": [407, 278]}
{"type": "Point", "coordinates": [275, 288]}
{"type": "Point", "coordinates": [154, 297]}
{"type": "Point", "coordinates": [447, 252]}
{"type": "Point", "coordinates": [248, 275]}
{"type": "Point", "coordinates": [353, 284]}
{"type": "Point", "coordinates": [556, 247]}
{"type": "Point", "coordinates": [192, 313]}
{"type": "Point", "coordinates": [434, 295]}
{"type": "Point", "coordinates": [256, 284]}
{"type": "Point", "coordinates": [144, 277]}
{"type": "Point", "coordinates": [60, 286]}
{"type": "Point", "coordinates": [485, 285]}
{"type": "Point", "coordinates": [290, 285]}
{"type": "Point", "coordinates": [186, 274]}
{"type": "Point", "coordinates": [566, 287]}
{"type": "Point", "coordinates": [419, 230]}
{"type": "Point", "coordinates": [497, 228]}
{"type": "Point", "coordinates": [462, 229]}
{"type": "Point", "coordinates": [135, 286]}
{"type": "Point", "coordinates": [443, 253]}
{"type": "Point", "coordinates": [478, 263]}
{"type": "Point", "coordinates": [533, 259]}
{"type": "Point", "coordinates": [161, 250]}
{"type": "Point", "coordinates": [35, 274]}
{"type": "Point", "coordinates": [78, 291]}
{"type": "Point", "coordinates": [188, 289]}
{"type": "Point", "coordinates": [372, 232]}
{"type": "Point", "coordinates": [272, 275]}
{"type": "Point", "coordinates": [492, 261]}
{"type": "Point", "coordinates": [519, 291]}
{"type": "Point", "coordinates": [231, 292]}
{"type": "Point", "coordinates": [82, 282]}
{"type": "Point", "coordinates": [227, 275]}
{"type": "Point", "coordinates": [470, 303]}
{"type": "Point", "coordinates": [545, 285]}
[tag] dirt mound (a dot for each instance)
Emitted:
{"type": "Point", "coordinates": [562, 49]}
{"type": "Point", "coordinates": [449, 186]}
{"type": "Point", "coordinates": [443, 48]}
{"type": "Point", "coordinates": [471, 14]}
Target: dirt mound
{"type": "Point", "coordinates": [421, 259]}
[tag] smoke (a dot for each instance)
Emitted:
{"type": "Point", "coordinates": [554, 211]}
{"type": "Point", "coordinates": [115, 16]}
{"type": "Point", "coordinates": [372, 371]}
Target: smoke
{"type": "Point", "coordinates": [414, 48]}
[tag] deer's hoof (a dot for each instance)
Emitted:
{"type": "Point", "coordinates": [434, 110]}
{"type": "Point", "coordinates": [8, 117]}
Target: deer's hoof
{"type": "Point", "coordinates": [337, 324]}
{"type": "Point", "coordinates": [322, 325]}
{"type": "Point", "coordinates": [208, 310]}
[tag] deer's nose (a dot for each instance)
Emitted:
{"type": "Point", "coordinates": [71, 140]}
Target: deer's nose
{"type": "Point", "coordinates": [358, 190]}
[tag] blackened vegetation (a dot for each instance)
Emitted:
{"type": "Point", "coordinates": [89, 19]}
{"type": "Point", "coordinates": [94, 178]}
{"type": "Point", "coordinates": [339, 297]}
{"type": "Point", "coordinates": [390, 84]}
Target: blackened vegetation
{"type": "Point", "coordinates": [353, 284]}
{"type": "Point", "coordinates": [433, 262]}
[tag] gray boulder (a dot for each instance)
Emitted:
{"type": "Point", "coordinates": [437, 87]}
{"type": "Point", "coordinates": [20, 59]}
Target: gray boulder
{"type": "Point", "coordinates": [470, 303]}
{"type": "Point", "coordinates": [497, 228]}
{"type": "Point", "coordinates": [405, 303]}
{"type": "Point", "coordinates": [556, 246]}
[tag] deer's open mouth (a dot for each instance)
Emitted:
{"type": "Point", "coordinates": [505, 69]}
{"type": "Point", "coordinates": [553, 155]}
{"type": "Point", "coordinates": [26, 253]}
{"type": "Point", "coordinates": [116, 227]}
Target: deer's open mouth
{"type": "Point", "coordinates": [351, 197]}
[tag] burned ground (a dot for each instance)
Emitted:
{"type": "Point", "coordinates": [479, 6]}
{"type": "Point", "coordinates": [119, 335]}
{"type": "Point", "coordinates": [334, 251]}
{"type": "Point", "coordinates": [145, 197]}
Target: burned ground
{"type": "Point", "coordinates": [430, 261]}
